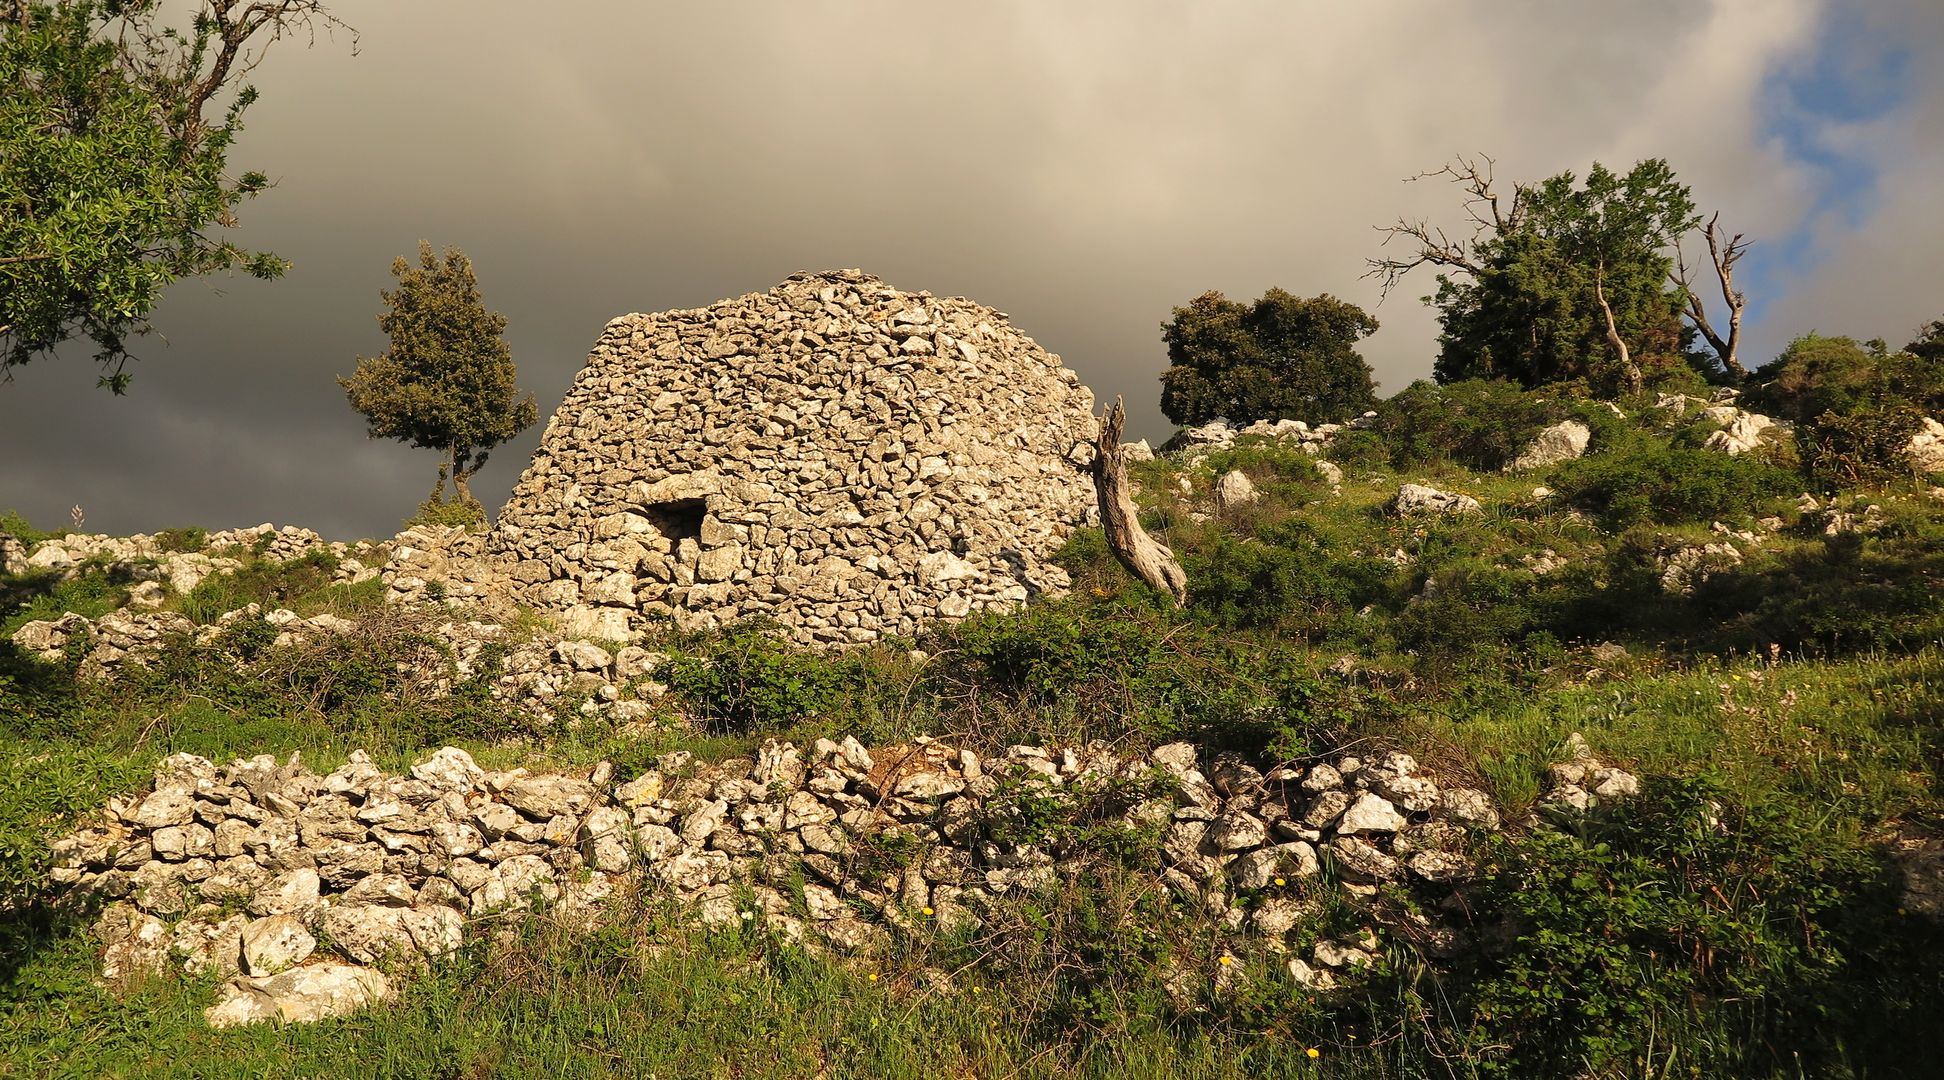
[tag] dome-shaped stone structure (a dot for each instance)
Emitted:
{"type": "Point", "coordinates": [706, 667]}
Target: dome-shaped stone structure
{"type": "Point", "coordinates": [834, 454]}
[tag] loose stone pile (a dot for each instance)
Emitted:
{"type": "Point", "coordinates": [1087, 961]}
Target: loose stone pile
{"type": "Point", "coordinates": [533, 673]}
{"type": "Point", "coordinates": [1741, 431]}
{"type": "Point", "coordinates": [294, 883]}
{"type": "Point", "coordinates": [1194, 443]}
{"type": "Point", "coordinates": [836, 455]}
{"type": "Point", "coordinates": [145, 559]}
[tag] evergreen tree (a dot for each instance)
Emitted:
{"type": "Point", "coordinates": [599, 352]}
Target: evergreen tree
{"type": "Point", "coordinates": [448, 381]}
{"type": "Point", "coordinates": [1281, 358]}
{"type": "Point", "coordinates": [1563, 280]}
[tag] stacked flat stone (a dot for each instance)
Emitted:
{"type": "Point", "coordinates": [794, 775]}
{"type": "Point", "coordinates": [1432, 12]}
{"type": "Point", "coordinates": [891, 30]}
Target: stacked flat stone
{"type": "Point", "coordinates": [236, 870]}
{"type": "Point", "coordinates": [836, 455]}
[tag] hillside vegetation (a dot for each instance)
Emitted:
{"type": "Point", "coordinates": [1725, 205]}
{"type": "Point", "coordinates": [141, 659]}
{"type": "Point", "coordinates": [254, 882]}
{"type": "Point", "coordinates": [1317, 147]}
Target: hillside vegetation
{"type": "Point", "coordinates": [1757, 911]}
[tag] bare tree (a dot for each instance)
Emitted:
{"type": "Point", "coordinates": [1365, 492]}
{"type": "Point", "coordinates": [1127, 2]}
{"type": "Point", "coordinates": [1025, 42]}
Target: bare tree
{"type": "Point", "coordinates": [1141, 554]}
{"type": "Point", "coordinates": [1724, 252]}
{"type": "Point", "coordinates": [1432, 245]}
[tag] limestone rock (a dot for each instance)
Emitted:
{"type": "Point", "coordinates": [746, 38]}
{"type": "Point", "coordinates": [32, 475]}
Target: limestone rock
{"type": "Point", "coordinates": [1563, 441]}
{"type": "Point", "coordinates": [1420, 499]}
{"type": "Point", "coordinates": [1370, 813]}
{"type": "Point", "coordinates": [271, 945]}
{"type": "Point", "coordinates": [299, 996]}
{"type": "Point", "coordinates": [1926, 447]}
{"type": "Point", "coordinates": [1234, 490]}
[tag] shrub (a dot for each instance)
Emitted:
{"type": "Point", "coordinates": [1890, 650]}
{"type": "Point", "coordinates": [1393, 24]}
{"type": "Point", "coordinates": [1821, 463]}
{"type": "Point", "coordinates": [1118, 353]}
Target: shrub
{"type": "Point", "coordinates": [1869, 445]}
{"type": "Point", "coordinates": [455, 512]}
{"type": "Point", "coordinates": [1291, 577]}
{"type": "Point", "coordinates": [13, 524]}
{"type": "Point", "coordinates": [270, 584]}
{"type": "Point", "coordinates": [745, 679]}
{"type": "Point", "coordinates": [1479, 423]}
{"type": "Point", "coordinates": [1817, 375]}
{"type": "Point", "coordinates": [1470, 616]}
{"type": "Point", "coordinates": [1643, 481]}
{"type": "Point", "coordinates": [1746, 941]}
{"type": "Point", "coordinates": [192, 538]}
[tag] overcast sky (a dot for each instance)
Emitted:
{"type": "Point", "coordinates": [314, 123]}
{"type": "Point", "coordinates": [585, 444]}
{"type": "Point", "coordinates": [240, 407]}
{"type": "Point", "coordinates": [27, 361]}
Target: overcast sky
{"type": "Point", "coordinates": [1084, 166]}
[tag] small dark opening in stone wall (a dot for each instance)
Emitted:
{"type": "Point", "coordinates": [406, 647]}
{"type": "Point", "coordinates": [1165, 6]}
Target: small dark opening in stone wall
{"type": "Point", "coordinates": [678, 519]}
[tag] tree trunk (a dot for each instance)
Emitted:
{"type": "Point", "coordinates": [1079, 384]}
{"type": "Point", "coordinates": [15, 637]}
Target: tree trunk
{"type": "Point", "coordinates": [1143, 557]}
{"type": "Point", "coordinates": [1629, 370]}
{"type": "Point", "coordinates": [460, 474]}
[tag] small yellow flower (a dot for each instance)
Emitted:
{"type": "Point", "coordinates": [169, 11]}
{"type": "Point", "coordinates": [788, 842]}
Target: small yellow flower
{"type": "Point", "coordinates": [1227, 960]}
{"type": "Point", "coordinates": [928, 911]}
{"type": "Point", "coordinates": [1280, 881]}
{"type": "Point", "coordinates": [1313, 1052]}
{"type": "Point", "coordinates": [873, 976]}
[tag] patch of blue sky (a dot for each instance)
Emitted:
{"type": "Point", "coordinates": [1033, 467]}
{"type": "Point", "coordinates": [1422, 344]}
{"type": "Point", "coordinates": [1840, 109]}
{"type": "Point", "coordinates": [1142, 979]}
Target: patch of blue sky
{"type": "Point", "coordinates": [1859, 71]}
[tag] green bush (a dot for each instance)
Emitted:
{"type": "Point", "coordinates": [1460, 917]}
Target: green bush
{"type": "Point", "coordinates": [745, 678]}
{"type": "Point", "coordinates": [1470, 616]}
{"type": "Point", "coordinates": [13, 524]}
{"type": "Point", "coordinates": [1479, 423]}
{"type": "Point", "coordinates": [466, 514]}
{"type": "Point", "coordinates": [269, 584]}
{"type": "Point", "coordinates": [1291, 577]}
{"type": "Point", "coordinates": [191, 538]}
{"type": "Point", "coordinates": [1818, 374]}
{"type": "Point", "coordinates": [1643, 481]}
{"type": "Point", "coordinates": [1868, 445]}
{"type": "Point", "coordinates": [1672, 934]}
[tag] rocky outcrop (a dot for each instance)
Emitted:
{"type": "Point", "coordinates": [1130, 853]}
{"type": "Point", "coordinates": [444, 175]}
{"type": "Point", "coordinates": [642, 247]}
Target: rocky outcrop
{"type": "Point", "coordinates": [1742, 431]}
{"type": "Point", "coordinates": [1563, 441]}
{"type": "Point", "coordinates": [838, 456]}
{"type": "Point", "coordinates": [293, 884]}
{"type": "Point", "coordinates": [1685, 569]}
{"type": "Point", "coordinates": [1926, 447]}
{"type": "Point", "coordinates": [1420, 499]}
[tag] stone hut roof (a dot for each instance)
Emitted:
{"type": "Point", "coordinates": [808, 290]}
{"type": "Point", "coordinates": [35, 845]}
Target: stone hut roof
{"type": "Point", "coordinates": [834, 454]}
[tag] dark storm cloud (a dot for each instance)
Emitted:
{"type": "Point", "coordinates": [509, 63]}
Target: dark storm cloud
{"type": "Point", "coordinates": [1082, 166]}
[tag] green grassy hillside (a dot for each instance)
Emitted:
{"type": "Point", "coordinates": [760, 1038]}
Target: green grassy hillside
{"type": "Point", "coordinates": [1746, 916]}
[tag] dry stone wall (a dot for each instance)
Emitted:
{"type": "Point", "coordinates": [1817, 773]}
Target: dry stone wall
{"type": "Point", "coordinates": [293, 884]}
{"type": "Point", "coordinates": [834, 454]}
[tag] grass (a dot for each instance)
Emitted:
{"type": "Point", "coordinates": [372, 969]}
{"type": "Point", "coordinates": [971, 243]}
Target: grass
{"type": "Point", "coordinates": [634, 997]}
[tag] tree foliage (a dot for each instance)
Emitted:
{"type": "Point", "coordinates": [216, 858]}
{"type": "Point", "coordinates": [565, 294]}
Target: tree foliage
{"type": "Point", "coordinates": [1527, 298]}
{"type": "Point", "coordinates": [1282, 357]}
{"type": "Point", "coordinates": [112, 171]}
{"type": "Point", "coordinates": [448, 381]}
{"type": "Point", "coordinates": [1929, 343]}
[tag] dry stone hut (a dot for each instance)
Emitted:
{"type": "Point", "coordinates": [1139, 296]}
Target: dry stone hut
{"type": "Point", "coordinates": [842, 457]}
